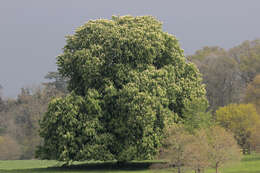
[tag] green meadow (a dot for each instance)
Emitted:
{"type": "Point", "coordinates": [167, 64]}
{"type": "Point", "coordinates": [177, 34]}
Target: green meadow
{"type": "Point", "coordinates": [249, 164]}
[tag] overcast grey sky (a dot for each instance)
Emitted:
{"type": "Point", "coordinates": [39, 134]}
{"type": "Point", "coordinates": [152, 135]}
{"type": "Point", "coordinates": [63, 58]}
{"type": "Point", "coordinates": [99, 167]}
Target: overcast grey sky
{"type": "Point", "coordinates": [32, 31]}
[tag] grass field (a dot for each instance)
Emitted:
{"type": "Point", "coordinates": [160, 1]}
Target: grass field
{"type": "Point", "coordinates": [249, 164]}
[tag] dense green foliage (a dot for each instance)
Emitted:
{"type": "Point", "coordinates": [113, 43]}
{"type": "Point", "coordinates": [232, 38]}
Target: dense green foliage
{"type": "Point", "coordinates": [241, 119]}
{"type": "Point", "coordinates": [129, 80]}
{"type": "Point", "coordinates": [75, 130]}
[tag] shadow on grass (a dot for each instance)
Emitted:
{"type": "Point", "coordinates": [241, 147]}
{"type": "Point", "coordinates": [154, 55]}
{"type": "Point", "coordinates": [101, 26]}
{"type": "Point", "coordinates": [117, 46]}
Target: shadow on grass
{"type": "Point", "coordinates": [105, 166]}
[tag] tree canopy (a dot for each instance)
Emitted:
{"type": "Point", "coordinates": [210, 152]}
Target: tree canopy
{"type": "Point", "coordinates": [241, 119]}
{"type": "Point", "coordinates": [221, 75]}
{"type": "Point", "coordinates": [252, 94]}
{"type": "Point", "coordinates": [128, 80]}
{"type": "Point", "coordinates": [211, 147]}
{"type": "Point", "coordinates": [226, 73]}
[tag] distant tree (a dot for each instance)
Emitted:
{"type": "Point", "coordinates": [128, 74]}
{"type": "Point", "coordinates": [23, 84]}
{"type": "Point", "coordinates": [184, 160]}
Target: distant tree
{"type": "Point", "coordinates": [247, 55]}
{"type": "Point", "coordinates": [205, 52]}
{"type": "Point", "coordinates": [9, 149]}
{"type": "Point", "coordinates": [57, 81]}
{"type": "Point", "coordinates": [20, 118]}
{"type": "Point", "coordinates": [206, 147]}
{"type": "Point", "coordinates": [197, 152]}
{"type": "Point", "coordinates": [221, 75]}
{"type": "Point", "coordinates": [175, 147]}
{"type": "Point", "coordinates": [252, 94]}
{"type": "Point", "coordinates": [255, 139]}
{"type": "Point", "coordinates": [1, 99]}
{"type": "Point", "coordinates": [223, 148]}
{"type": "Point", "coordinates": [241, 119]}
{"type": "Point", "coordinates": [227, 73]}
{"type": "Point", "coordinates": [141, 82]}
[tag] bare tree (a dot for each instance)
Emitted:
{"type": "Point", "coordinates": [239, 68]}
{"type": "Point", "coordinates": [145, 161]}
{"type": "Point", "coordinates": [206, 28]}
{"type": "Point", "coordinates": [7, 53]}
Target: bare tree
{"type": "Point", "coordinates": [198, 152]}
{"type": "Point", "coordinates": [223, 148]}
{"type": "Point", "coordinates": [174, 150]}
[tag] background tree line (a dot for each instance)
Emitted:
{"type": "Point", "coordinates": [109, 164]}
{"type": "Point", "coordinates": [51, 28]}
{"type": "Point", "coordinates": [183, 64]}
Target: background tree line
{"type": "Point", "coordinates": [232, 80]}
{"type": "Point", "coordinates": [229, 74]}
{"type": "Point", "coordinates": [19, 118]}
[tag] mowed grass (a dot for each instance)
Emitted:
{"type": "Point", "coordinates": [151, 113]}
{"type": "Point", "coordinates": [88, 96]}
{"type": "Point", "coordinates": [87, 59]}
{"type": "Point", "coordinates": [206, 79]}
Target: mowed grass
{"type": "Point", "coordinates": [43, 166]}
{"type": "Point", "coordinates": [249, 164]}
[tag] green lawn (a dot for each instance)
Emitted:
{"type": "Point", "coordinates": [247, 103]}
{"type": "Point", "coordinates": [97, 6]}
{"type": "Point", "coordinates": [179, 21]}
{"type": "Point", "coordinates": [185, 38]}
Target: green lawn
{"type": "Point", "coordinates": [42, 166]}
{"type": "Point", "coordinates": [249, 164]}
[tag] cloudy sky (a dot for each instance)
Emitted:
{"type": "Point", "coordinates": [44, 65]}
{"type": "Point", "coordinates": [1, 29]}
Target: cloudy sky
{"type": "Point", "coordinates": [32, 31]}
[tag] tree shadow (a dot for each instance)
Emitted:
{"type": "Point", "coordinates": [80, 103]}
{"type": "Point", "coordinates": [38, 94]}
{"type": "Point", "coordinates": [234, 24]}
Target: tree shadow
{"type": "Point", "coordinates": [99, 166]}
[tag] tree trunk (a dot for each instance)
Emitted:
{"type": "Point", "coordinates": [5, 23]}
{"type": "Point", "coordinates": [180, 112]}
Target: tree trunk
{"type": "Point", "coordinates": [216, 167]}
{"type": "Point", "coordinates": [179, 169]}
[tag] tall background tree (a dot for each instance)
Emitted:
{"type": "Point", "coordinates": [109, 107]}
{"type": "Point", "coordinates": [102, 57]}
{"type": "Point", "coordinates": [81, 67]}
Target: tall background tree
{"type": "Point", "coordinates": [252, 94]}
{"type": "Point", "coordinates": [221, 75]}
{"type": "Point", "coordinates": [247, 55]}
{"type": "Point", "coordinates": [1, 99]}
{"type": "Point", "coordinates": [19, 119]}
